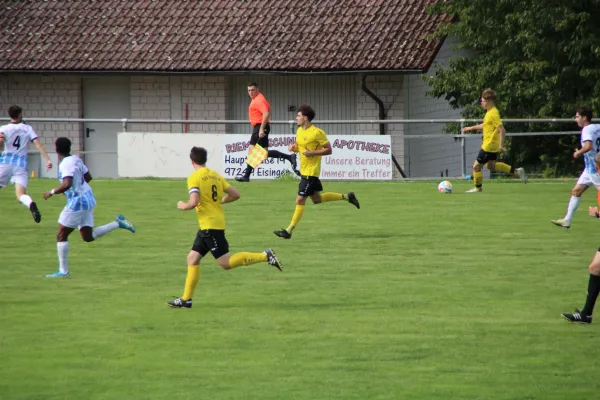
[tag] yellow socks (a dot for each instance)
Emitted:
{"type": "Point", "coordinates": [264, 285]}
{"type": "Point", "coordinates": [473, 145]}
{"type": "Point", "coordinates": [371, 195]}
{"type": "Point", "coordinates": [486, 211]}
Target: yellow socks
{"type": "Point", "coordinates": [191, 281]}
{"type": "Point", "coordinates": [502, 167]}
{"type": "Point", "coordinates": [478, 178]}
{"type": "Point", "coordinates": [245, 258]}
{"type": "Point", "coordinates": [325, 197]}
{"type": "Point", "coordinates": [299, 212]}
{"type": "Point", "coordinates": [296, 218]}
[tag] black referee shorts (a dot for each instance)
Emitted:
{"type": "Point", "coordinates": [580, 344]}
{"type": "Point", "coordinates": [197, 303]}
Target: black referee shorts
{"type": "Point", "coordinates": [212, 240]}
{"type": "Point", "coordinates": [255, 139]}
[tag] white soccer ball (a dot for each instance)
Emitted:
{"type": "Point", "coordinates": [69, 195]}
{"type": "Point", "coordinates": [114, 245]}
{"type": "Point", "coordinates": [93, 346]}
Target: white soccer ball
{"type": "Point", "coordinates": [445, 187]}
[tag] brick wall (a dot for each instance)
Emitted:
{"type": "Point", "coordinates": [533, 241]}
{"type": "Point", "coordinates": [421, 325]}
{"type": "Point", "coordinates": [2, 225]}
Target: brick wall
{"type": "Point", "coordinates": [390, 90]}
{"type": "Point", "coordinates": [206, 98]}
{"type": "Point", "coordinates": [45, 96]}
{"type": "Point", "coordinates": [164, 97]}
{"type": "Point", "coordinates": [150, 99]}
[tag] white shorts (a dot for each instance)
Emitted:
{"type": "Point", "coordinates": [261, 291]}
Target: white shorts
{"type": "Point", "coordinates": [14, 174]}
{"type": "Point", "coordinates": [586, 178]}
{"type": "Point", "coordinates": [76, 219]}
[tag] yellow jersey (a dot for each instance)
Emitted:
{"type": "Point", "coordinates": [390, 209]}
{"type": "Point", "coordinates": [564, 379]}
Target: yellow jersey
{"type": "Point", "coordinates": [311, 138]}
{"type": "Point", "coordinates": [210, 186]}
{"type": "Point", "coordinates": [491, 138]}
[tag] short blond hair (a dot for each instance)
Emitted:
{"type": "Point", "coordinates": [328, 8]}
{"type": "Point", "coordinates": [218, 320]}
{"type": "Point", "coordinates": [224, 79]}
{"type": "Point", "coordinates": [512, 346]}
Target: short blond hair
{"type": "Point", "coordinates": [489, 94]}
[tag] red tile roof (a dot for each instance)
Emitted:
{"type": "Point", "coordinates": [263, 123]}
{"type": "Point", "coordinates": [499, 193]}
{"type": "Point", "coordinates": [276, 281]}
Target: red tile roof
{"type": "Point", "coordinates": [217, 35]}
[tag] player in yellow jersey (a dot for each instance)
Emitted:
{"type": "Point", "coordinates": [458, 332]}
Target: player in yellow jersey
{"type": "Point", "coordinates": [312, 144]}
{"type": "Point", "coordinates": [206, 189]}
{"type": "Point", "coordinates": [493, 138]}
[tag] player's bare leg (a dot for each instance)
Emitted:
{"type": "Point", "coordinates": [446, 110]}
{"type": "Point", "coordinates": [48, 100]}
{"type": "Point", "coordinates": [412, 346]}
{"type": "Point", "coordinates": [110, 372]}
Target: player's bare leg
{"type": "Point", "coordinates": [298, 213]}
{"type": "Point", "coordinates": [477, 178]}
{"type": "Point", "coordinates": [585, 316]}
{"type": "Point", "coordinates": [226, 261]}
{"type": "Point", "coordinates": [88, 234]}
{"type": "Point", "coordinates": [574, 201]}
{"type": "Point", "coordinates": [230, 261]}
{"type": "Point", "coordinates": [62, 248]}
{"type": "Point", "coordinates": [25, 199]}
{"type": "Point", "coordinates": [99, 231]}
{"type": "Point", "coordinates": [191, 281]}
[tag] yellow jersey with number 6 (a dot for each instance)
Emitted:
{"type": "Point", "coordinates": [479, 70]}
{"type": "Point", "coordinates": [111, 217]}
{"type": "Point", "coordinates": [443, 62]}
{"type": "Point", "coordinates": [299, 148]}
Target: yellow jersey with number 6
{"type": "Point", "coordinates": [312, 139]}
{"type": "Point", "coordinates": [210, 186]}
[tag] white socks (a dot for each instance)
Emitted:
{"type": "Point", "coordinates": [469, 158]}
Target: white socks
{"type": "Point", "coordinates": [104, 229]}
{"type": "Point", "coordinates": [573, 204]}
{"type": "Point", "coordinates": [62, 248]}
{"type": "Point", "coordinates": [25, 200]}
{"type": "Point", "coordinates": [63, 252]}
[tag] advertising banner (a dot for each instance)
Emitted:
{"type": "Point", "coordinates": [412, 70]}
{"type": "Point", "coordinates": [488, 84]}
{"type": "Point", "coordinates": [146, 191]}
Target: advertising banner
{"type": "Point", "coordinates": [166, 155]}
{"type": "Point", "coordinates": [354, 157]}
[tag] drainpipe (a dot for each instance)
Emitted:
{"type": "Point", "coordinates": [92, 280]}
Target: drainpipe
{"type": "Point", "coordinates": [363, 85]}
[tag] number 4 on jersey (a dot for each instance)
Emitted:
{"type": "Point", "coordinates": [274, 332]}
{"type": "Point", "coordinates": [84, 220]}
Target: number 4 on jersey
{"type": "Point", "coordinates": [17, 142]}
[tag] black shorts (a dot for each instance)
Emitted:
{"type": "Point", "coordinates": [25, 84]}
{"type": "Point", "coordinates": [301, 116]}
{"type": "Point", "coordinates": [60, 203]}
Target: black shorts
{"type": "Point", "coordinates": [309, 185]}
{"type": "Point", "coordinates": [484, 156]}
{"type": "Point", "coordinates": [255, 139]}
{"type": "Point", "coordinates": [211, 240]}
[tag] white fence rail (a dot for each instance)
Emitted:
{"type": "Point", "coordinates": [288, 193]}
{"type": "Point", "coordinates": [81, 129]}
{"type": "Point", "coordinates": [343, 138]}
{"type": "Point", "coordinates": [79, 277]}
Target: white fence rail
{"type": "Point", "coordinates": [415, 155]}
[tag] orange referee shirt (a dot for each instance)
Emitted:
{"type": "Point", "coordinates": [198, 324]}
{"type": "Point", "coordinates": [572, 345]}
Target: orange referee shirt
{"type": "Point", "coordinates": [258, 106]}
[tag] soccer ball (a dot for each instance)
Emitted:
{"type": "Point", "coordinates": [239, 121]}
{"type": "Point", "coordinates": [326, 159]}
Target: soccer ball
{"type": "Point", "coordinates": [445, 187]}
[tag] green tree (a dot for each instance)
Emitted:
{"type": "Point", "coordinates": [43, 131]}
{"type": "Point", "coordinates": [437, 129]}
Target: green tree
{"type": "Point", "coordinates": [542, 57]}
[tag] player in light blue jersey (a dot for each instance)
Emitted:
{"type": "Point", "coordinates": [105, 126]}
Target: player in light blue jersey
{"type": "Point", "coordinates": [14, 140]}
{"type": "Point", "coordinates": [79, 211]}
{"type": "Point", "coordinates": [590, 146]}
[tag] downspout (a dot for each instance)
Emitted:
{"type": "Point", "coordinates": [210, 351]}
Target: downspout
{"type": "Point", "coordinates": [363, 85]}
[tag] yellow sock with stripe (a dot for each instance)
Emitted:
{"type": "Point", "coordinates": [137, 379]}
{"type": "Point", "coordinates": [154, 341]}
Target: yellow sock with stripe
{"type": "Point", "coordinates": [246, 258]}
{"type": "Point", "coordinates": [329, 196]}
{"type": "Point", "coordinates": [191, 281]}
{"type": "Point", "coordinates": [298, 213]}
{"type": "Point", "coordinates": [478, 178]}
{"type": "Point", "coordinates": [502, 167]}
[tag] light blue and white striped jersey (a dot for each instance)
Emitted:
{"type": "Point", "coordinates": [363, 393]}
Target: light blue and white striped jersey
{"type": "Point", "coordinates": [79, 196]}
{"type": "Point", "coordinates": [591, 133]}
{"type": "Point", "coordinates": [16, 143]}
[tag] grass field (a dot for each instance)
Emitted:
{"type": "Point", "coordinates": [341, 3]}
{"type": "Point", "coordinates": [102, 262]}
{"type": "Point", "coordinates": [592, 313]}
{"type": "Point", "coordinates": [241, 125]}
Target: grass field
{"type": "Point", "coordinates": [417, 295]}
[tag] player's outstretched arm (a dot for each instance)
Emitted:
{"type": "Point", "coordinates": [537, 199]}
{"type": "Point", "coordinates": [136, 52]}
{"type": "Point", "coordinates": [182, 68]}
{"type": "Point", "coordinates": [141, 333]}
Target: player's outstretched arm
{"type": "Point", "coordinates": [88, 177]}
{"type": "Point", "coordinates": [41, 149]}
{"type": "Point", "coordinates": [232, 195]}
{"type": "Point", "coordinates": [191, 203]}
{"type": "Point", "coordinates": [473, 128]}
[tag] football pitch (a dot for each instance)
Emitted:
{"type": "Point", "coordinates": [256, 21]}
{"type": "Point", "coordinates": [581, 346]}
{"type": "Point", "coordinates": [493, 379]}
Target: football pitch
{"type": "Point", "coordinates": [417, 295]}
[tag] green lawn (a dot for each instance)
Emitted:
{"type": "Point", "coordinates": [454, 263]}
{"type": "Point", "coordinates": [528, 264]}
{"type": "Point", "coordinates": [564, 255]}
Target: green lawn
{"type": "Point", "coordinates": [417, 295]}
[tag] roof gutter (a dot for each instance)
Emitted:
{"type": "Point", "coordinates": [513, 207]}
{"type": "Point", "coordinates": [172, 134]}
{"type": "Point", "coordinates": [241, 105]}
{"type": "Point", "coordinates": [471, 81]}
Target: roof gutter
{"type": "Point", "coordinates": [382, 116]}
{"type": "Point", "coordinates": [216, 72]}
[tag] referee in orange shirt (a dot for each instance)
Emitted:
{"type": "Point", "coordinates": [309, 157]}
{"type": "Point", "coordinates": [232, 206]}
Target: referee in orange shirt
{"type": "Point", "coordinates": [259, 113]}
